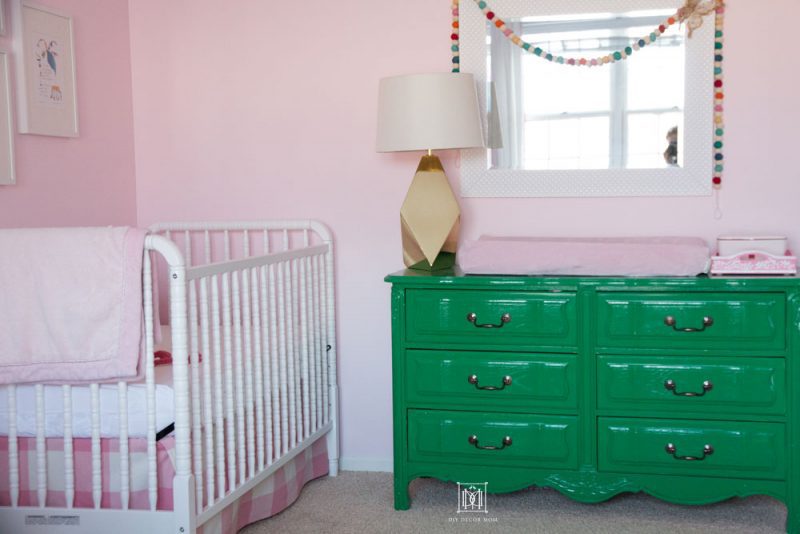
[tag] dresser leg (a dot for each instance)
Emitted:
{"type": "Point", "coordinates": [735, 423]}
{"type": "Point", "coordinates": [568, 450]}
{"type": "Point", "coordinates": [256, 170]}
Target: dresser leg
{"type": "Point", "coordinates": [401, 499]}
{"type": "Point", "coordinates": [792, 520]}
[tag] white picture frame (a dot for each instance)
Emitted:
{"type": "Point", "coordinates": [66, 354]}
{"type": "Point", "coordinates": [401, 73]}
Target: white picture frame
{"type": "Point", "coordinates": [7, 169]}
{"type": "Point", "coordinates": [3, 29]}
{"type": "Point", "coordinates": [47, 99]}
{"type": "Point", "coordinates": [692, 179]}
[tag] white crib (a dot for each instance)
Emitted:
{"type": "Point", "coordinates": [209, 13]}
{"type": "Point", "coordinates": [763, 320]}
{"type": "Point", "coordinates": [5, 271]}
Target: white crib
{"type": "Point", "coordinates": [254, 383]}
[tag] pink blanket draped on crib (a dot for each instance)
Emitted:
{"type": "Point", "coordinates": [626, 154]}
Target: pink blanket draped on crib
{"type": "Point", "coordinates": [70, 304]}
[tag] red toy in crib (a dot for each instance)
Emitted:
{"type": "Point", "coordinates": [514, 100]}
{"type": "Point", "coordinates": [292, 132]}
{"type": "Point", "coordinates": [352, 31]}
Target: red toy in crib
{"type": "Point", "coordinates": [163, 357]}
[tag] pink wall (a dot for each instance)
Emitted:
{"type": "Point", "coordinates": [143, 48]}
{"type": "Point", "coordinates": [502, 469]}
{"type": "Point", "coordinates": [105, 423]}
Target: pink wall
{"type": "Point", "coordinates": [267, 110]}
{"type": "Point", "coordinates": [89, 180]}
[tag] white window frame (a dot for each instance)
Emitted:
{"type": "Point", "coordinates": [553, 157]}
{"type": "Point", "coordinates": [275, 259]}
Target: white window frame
{"type": "Point", "coordinates": [618, 110]}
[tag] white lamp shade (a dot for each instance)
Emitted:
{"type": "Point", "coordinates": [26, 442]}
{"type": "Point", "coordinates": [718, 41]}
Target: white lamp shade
{"type": "Point", "coordinates": [428, 111]}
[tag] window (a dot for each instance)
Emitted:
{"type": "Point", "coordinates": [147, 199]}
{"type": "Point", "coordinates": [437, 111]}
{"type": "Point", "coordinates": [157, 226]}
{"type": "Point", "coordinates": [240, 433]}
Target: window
{"type": "Point", "coordinates": [554, 116]}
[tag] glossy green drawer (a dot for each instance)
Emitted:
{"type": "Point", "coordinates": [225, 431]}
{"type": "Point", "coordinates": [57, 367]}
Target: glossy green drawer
{"type": "Point", "coordinates": [729, 321]}
{"type": "Point", "coordinates": [491, 379]}
{"type": "Point", "coordinates": [738, 449]}
{"type": "Point", "coordinates": [536, 440]}
{"type": "Point", "coordinates": [693, 385]}
{"type": "Point", "coordinates": [535, 319]}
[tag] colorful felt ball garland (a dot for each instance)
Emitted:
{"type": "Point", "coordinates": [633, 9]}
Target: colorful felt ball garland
{"type": "Point", "coordinates": [454, 39]}
{"type": "Point", "coordinates": [719, 124]}
{"type": "Point", "coordinates": [613, 57]}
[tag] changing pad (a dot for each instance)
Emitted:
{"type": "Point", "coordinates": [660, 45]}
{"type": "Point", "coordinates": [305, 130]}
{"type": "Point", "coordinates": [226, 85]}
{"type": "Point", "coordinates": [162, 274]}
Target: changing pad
{"type": "Point", "coordinates": [597, 256]}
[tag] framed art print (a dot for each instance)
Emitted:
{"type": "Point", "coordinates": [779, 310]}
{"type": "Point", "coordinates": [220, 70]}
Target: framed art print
{"type": "Point", "coordinates": [45, 65]}
{"type": "Point", "coordinates": [7, 173]}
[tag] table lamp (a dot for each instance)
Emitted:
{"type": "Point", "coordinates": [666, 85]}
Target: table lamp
{"type": "Point", "coordinates": [429, 112]}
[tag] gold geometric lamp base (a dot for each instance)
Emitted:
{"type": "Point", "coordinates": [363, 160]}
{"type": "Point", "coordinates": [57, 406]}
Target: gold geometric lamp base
{"type": "Point", "coordinates": [430, 219]}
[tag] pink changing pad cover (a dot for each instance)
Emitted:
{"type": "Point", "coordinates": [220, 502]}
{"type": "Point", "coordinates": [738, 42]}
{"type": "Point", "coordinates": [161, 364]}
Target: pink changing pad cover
{"type": "Point", "coordinates": [594, 256]}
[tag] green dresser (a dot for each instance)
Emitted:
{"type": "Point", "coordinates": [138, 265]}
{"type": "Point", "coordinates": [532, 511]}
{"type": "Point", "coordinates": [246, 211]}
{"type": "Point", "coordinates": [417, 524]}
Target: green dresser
{"type": "Point", "coordinates": [684, 388]}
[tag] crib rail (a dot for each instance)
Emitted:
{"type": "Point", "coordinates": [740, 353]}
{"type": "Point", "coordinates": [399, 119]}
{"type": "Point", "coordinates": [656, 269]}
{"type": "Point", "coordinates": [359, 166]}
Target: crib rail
{"type": "Point", "coordinates": [262, 370]}
{"type": "Point", "coordinates": [254, 369]}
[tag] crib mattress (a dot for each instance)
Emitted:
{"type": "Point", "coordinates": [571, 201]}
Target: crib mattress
{"type": "Point", "coordinates": [81, 408]}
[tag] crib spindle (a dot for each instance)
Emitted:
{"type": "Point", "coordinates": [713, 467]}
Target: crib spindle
{"type": "Point", "coordinates": [97, 465]}
{"type": "Point", "coordinates": [69, 469]}
{"type": "Point", "coordinates": [41, 458]}
{"type": "Point", "coordinates": [238, 377]}
{"type": "Point", "coordinates": [271, 366]}
{"type": "Point", "coordinates": [258, 368]}
{"type": "Point", "coordinates": [208, 412]}
{"type": "Point", "coordinates": [152, 460]}
{"type": "Point", "coordinates": [306, 395]}
{"type": "Point", "coordinates": [230, 421]}
{"type": "Point", "coordinates": [197, 444]}
{"type": "Point", "coordinates": [124, 465]}
{"type": "Point", "coordinates": [283, 318]}
{"type": "Point", "coordinates": [13, 448]}
{"type": "Point", "coordinates": [219, 419]}
{"type": "Point", "coordinates": [312, 346]}
{"type": "Point", "coordinates": [291, 352]}
{"type": "Point", "coordinates": [248, 368]}
{"type": "Point", "coordinates": [298, 344]}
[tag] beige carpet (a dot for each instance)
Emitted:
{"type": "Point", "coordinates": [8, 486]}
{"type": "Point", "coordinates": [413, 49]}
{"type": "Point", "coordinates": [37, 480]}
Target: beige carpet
{"type": "Point", "coordinates": [361, 503]}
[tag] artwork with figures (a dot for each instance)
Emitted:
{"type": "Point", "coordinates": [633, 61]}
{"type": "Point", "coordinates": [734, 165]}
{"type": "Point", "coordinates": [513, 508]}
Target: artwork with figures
{"type": "Point", "coordinates": [46, 81]}
{"type": "Point", "coordinates": [49, 78]}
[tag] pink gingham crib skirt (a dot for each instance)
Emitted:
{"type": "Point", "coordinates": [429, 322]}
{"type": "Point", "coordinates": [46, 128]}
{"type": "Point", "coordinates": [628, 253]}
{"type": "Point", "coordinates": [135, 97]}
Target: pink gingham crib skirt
{"type": "Point", "coordinates": [82, 454]}
{"type": "Point", "coordinates": [273, 495]}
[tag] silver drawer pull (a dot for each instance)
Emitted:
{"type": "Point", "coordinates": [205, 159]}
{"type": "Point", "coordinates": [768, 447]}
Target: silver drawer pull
{"type": "Point", "coordinates": [708, 450]}
{"type": "Point", "coordinates": [473, 318]}
{"type": "Point", "coordinates": [473, 379]}
{"type": "Point", "coordinates": [671, 386]}
{"type": "Point", "coordinates": [473, 440]}
{"type": "Point", "coordinates": [669, 320]}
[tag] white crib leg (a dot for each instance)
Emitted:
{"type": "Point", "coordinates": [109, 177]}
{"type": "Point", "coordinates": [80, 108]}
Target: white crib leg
{"type": "Point", "coordinates": [184, 504]}
{"type": "Point", "coordinates": [208, 406]}
{"type": "Point", "coordinates": [333, 443]}
{"type": "Point", "coordinates": [333, 382]}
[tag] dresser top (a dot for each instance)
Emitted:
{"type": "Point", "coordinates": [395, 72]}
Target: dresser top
{"type": "Point", "coordinates": [455, 278]}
